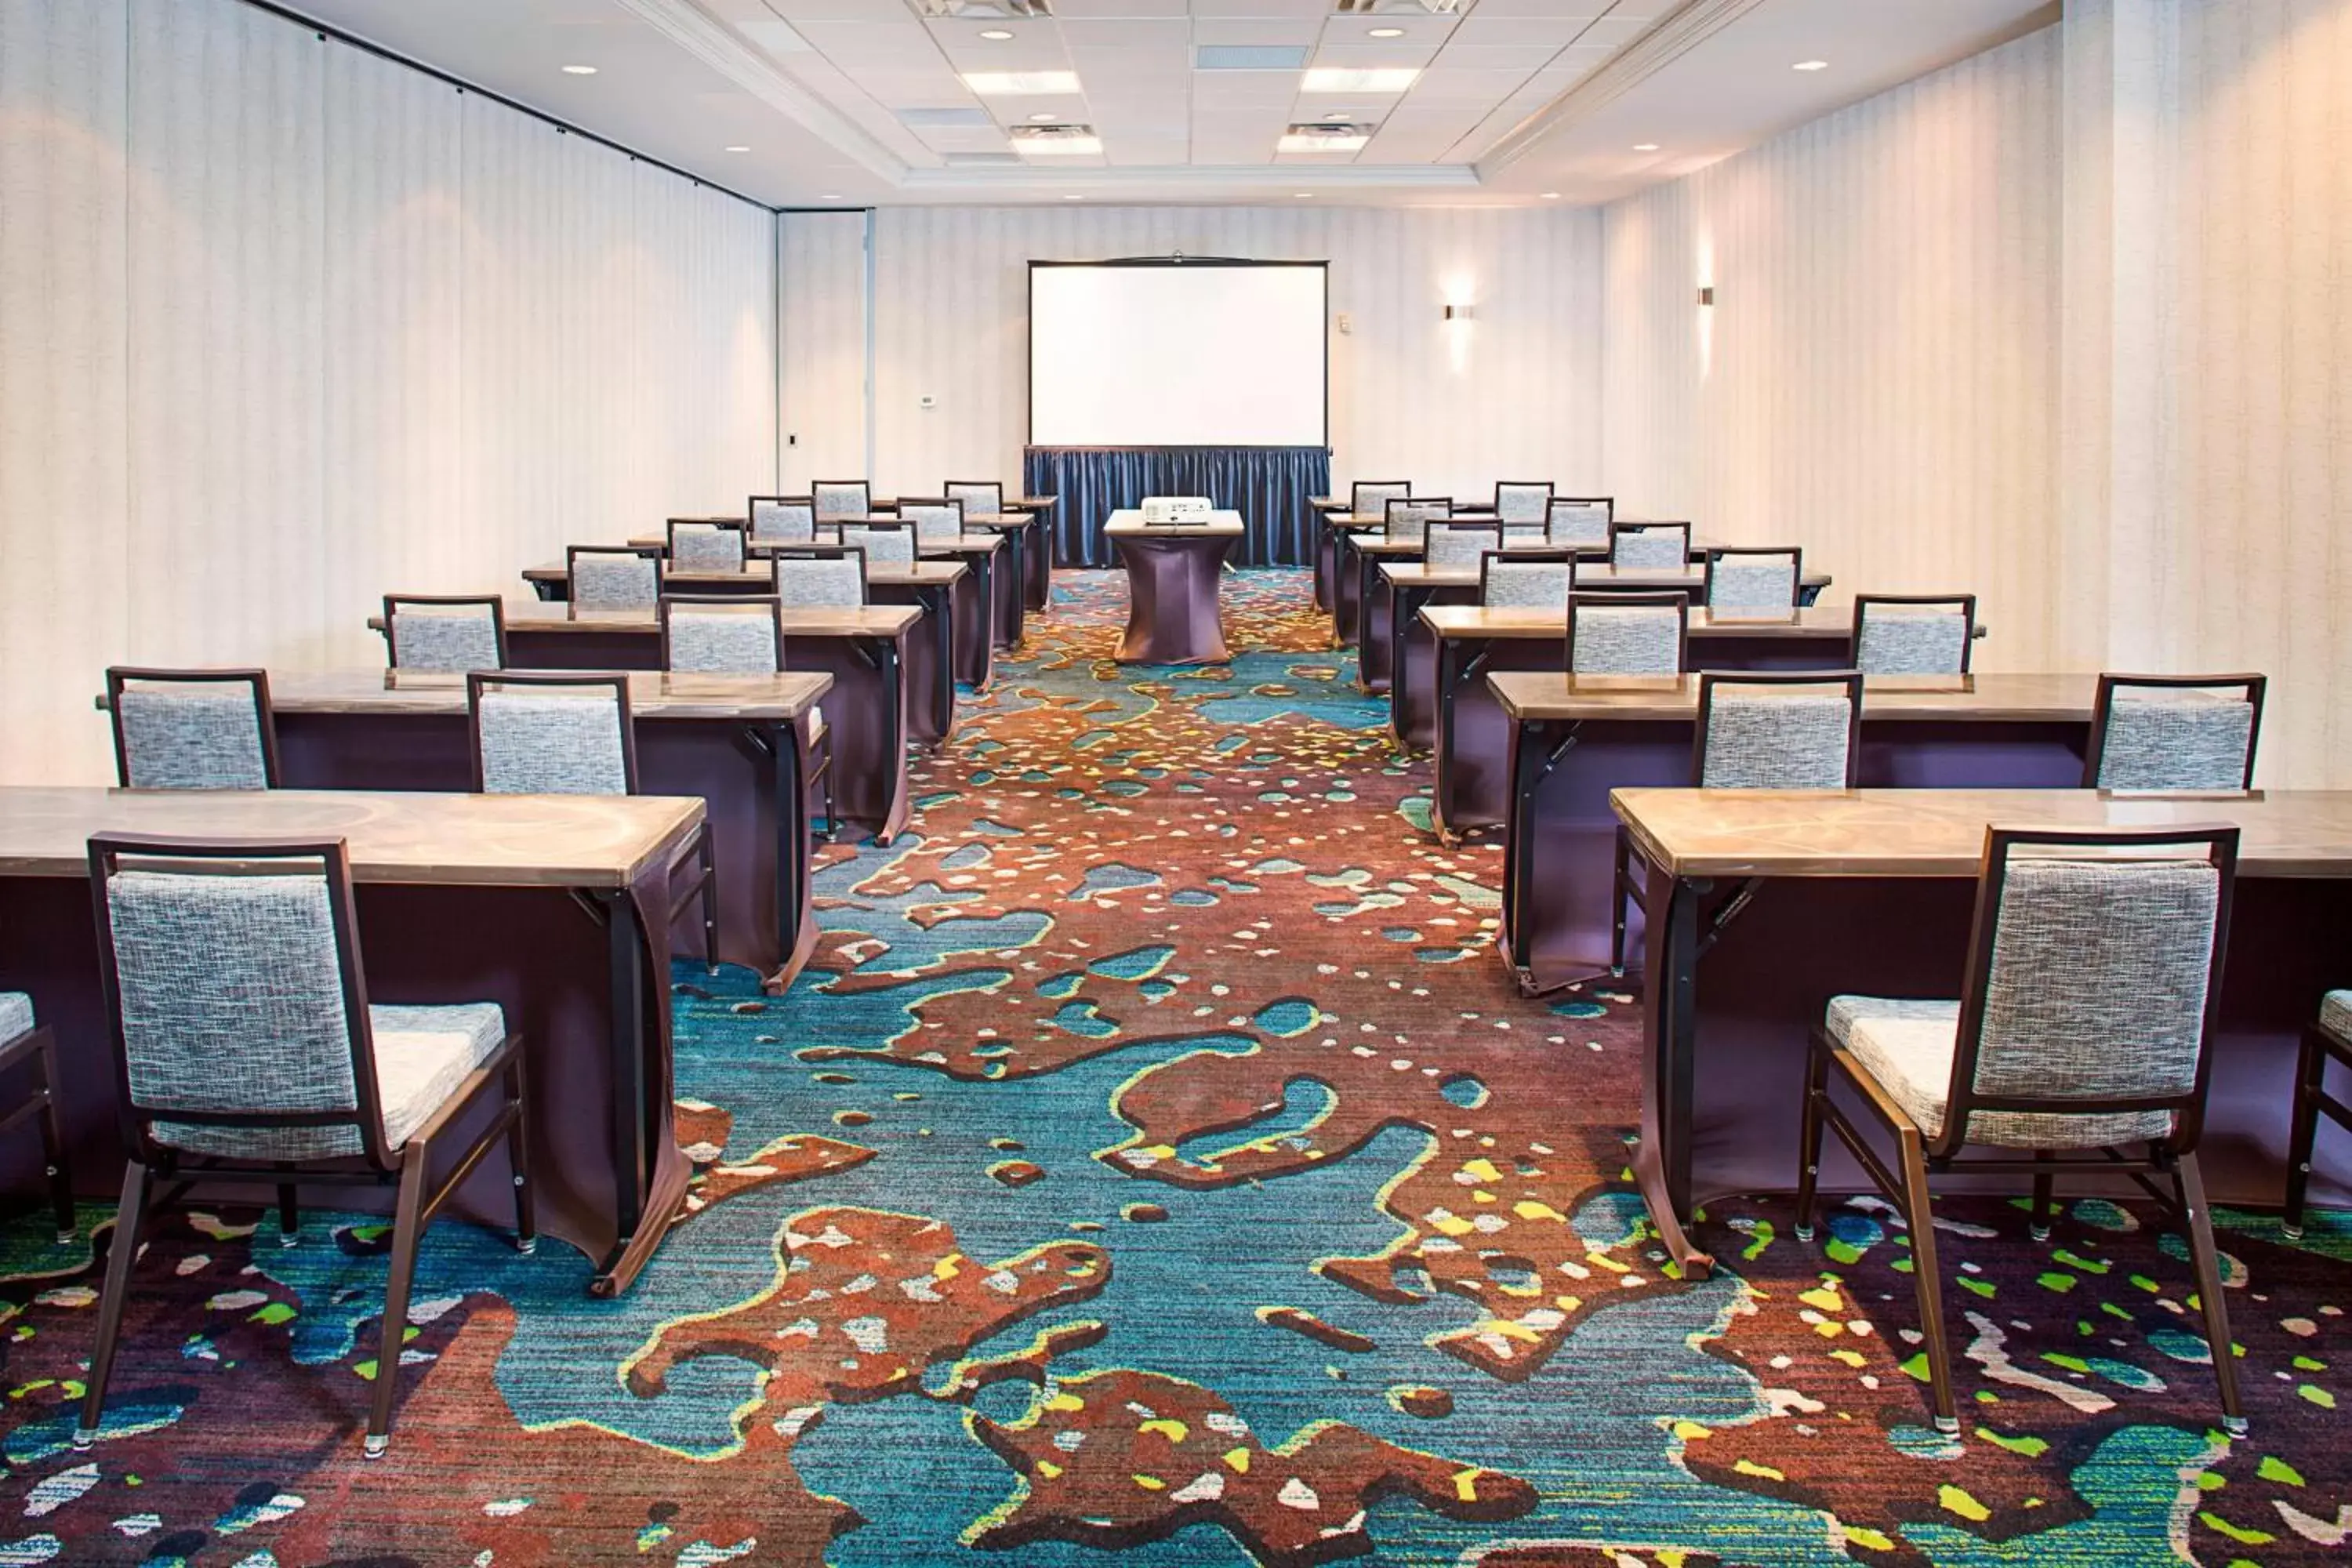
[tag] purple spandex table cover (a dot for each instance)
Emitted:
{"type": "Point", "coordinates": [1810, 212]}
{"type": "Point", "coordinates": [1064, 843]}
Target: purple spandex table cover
{"type": "Point", "coordinates": [1172, 580]}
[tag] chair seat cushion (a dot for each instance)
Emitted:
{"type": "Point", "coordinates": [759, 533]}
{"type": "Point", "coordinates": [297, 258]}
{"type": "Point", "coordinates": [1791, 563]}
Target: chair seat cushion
{"type": "Point", "coordinates": [2335, 1014]}
{"type": "Point", "coordinates": [422, 1055]}
{"type": "Point", "coordinates": [1910, 1054]}
{"type": "Point", "coordinates": [1844, 1010]}
{"type": "Point", "coordinates": [15, 1013]}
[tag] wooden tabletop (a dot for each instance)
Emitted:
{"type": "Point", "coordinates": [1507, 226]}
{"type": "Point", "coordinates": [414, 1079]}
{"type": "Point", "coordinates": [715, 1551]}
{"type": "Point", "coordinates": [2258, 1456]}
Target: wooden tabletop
{"type": "Point", "coordinates": [495, 840]}
{"type": "Point", "coordinates": [653, 694]}
{"type": "Point", "coordinates": [1942, 832]}
{"type": "Point", "coordinates": [889, 574]}
{"type": "Point", "coordinates": [1413, 574]}
{"type": "Point", "coordinates": [1549, 695]}
{"type": "Point", "coordinates": [872, 621]}
{"type": "Point", "coordinates": [1817, 622]}
{"type": "Point", "coordinates": [1127, 523]}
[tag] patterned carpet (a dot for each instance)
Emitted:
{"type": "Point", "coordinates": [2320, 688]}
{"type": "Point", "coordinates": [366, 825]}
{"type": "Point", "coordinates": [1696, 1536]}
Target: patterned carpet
{"type": "Point", "coordinates": [1155, 1167]}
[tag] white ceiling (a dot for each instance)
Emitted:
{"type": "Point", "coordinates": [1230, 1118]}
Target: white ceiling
{"type": "Point", "coordinates": [862, 102]}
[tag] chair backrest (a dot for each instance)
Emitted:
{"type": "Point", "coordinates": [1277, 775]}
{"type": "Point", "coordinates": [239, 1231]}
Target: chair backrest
{"type": "Point", "coordinates": [1754, 579]}
{"type": "Point", "coordinates": [192, 729]}
{"type": "Point", "coordinates": [933, 520]}
{"type": "Point", "coordinates": [1914, 634]}
{"type": "Point", "coordinates": [453, 632]}
{"type": "Point", "coordinates": [551, 732]}
{"type": "Point", "coordinates": [1522, 500]}
{"type": "Point", "coordinates": [614, 577]}
{"type": "Point", "coordinates": [2182, 733]}
{"type": "Point", "coordinates": [821, 577]}
{"type": "Point", "coordinates": [1579, 520]}
{"type": "Point", "coordinates": [1371, 498]}
{"type": "Point", "coordinates": [841, 498]}
{"type": "Point", "coordinates": [783, 519]}
{"type": "Point", "coordinates": [699, 546]}
{"type": "Point", "coordinates": [231, 974]}
{"type": "Point", "coordinates": [1526, 579]}
{"type": "Point", "coordinates": [1797, 729]}
{"type": "Point", "coordinates": [1410, 518]}
{"type": "Point", "coordinates": [2092, 980]}
{"type": "Point", "coordinates": [1627, 634]}
{"type": "Point", "coordinates": [1459, 546]}
{"type": "Point", "coordinates": [882, 544]}
{"type": "Point", "coordinates": [1649, 546]}
{"type": "Point", "coordinates": [722, 634]}
{"type": "Point", "coordinates": [981, 496]}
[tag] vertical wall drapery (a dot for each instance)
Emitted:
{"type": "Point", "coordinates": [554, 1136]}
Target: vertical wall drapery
{"type": "Point", "coordinates": [1269, 485]}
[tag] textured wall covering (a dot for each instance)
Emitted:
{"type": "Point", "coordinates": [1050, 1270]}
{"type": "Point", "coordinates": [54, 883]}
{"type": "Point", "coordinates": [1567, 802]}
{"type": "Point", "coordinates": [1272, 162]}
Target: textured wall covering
{"type": "Point", "coordinates": [1878, 378]}
{"type": "Point", "coordinates": [1513, 395]}
{"type": "Point", "coordinates": [284, 326]}
{"type": "Point", "coordinates": [821, 261]}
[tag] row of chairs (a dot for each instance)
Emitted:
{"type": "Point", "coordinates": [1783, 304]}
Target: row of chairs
{"type": "Point", "coordinates": [1735, 579]}
{"type": "Point", "coordinates": [1518, 501]}
{"type": "Point", "coordinates": [795, 519]}
{"type": "Point", "coordinates": [630, 577]}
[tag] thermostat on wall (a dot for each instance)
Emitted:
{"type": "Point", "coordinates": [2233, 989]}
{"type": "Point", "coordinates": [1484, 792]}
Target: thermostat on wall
{"type": "Point", "coordinates": [927, 401]}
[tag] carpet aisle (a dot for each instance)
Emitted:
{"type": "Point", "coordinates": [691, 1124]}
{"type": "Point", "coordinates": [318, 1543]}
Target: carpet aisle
{"type": "Point", "coordinates": [1155, 1166]}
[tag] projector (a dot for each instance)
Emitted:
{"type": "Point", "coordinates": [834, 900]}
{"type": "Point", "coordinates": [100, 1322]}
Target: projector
{"type": "Point", "coordinates": [1175, 509]}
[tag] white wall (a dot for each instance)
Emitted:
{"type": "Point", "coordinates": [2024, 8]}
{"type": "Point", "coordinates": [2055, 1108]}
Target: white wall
{"type": "Point", "coordinates": [1514, 395]}
{"type": "Point", "coordinates": [284, 326]}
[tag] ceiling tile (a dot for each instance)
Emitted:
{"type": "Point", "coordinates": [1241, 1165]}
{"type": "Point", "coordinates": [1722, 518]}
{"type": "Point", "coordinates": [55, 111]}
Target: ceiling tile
{"type": "Point", "coordinates": [1290, 30]}
{"type": "Point", "coordinates": [1375, 56]}
{"type": "Point", "coordinates": [1444, 85]}
{"type": "Point", "coordinates": [798, 11]}
{"type": "Point", "coordinates": [1124, 35]}
{"type": "Point", "coordinates": [1616, 31]}
{"type": "Point", "coordinates": [1076, 10]}
{"type": "Point", "coordinates": [1483, 27]}
{"type": "Point", "coordinates": [886, 44]}
{"type": "Point", "coordinates": [1520, 57]}
{"type": "Point", "coordinates": [1313, 8]}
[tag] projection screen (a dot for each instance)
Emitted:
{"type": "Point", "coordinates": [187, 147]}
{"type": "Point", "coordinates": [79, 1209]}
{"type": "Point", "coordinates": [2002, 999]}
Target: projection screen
{"type": "Point", "coordinates": [1156, 353]}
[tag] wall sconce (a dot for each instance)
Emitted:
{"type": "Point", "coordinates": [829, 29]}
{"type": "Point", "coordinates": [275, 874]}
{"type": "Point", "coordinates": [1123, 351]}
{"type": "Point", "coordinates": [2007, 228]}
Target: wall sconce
{"type": "Point", "coordinates": [1457, 313]}
{"type": "Point", "coordinates": [1706, 295]}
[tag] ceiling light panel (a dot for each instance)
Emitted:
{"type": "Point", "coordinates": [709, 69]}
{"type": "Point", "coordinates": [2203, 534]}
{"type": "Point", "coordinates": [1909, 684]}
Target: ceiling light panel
{"type": "Point", "coordinates": [1014, 84]}
{"type": "Point", "coordinates": [1375, 79]}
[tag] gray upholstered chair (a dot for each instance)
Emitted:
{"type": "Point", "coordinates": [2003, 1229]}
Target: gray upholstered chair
{"type": "Point", "coordinates": [2327, 1041]}
{"type": "Point", "coordinates": [245, 953]}
{"type": "Point", "coordinates": [561, 732]}
{"type": "Point", "coordinates": [614, 577]}
{"type": "Point", "coordinates": [821, 577]}
{"type": "Point", "coordinates": [30, 1046]}
{"type": "Point", "coordinates": [783, 519]}
{"type": "Point", "coordinates": [1914, 634]}
{"type": "Point", "coordinates": [984, 498]}
{"type": "Point", "coordinates": [1526, 579]}
{"type": "Point", "coordinates": [2191, 733]}
{"type": "Point", "coordinates": [1799, 729]}
{"type": "Point", "coordinates": [932, 521]}
{"type": "Point", "coordinates": [882, 545]}
{"type": "Point", "coordinates": [1410, 518]}
{"type": "Point", "coordinates": [2083, 1029]}
{"type": "Point", "coordinates": [1754, 580]}
{"type": "Point", "coordinates": [192, 729]}
{"type": "Point", "coordinates": [743, 634]}
{"type": "Point", "coordinates": [1649, 546]}
{"type": "Point", "coordinates": [837, 499]}
{"type": "Point", "coordinates": [1371, 498]}
{"type": "Point", "coordinates": [1459, 546]}
{"type": "Point", "coordinates": [1578, 523]}
{"type": "Point", "coordinates": [1628, 634]}
{"type": "Point", "coordinates": [697, 546]}
{"type": "Point", "coordinates": [448, 632]}
{"type": "Point", "coordinates": [1522, 500]}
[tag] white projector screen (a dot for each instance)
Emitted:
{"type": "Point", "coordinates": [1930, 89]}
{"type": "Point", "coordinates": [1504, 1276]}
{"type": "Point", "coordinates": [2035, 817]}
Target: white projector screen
{"type": "Point", "coordinates": [1163, 354]}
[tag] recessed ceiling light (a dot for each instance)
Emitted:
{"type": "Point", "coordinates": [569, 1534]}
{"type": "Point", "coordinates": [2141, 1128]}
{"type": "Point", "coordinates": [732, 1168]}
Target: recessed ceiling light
{"type": "Point", "coordinates": [830, 197]}
{"type": "Point", "coordinates": [1304, 195]}
{"type": "Point", "coordinates": [1646, 146]}
{"type": "Point", "coordinates": [739, 149]}
{"type": "Point", "coordinates": [1015, 82]}
{"type": "Point", "coordinates": [995, 34]}
{"type": "Point", "coordinates": [1551, 195]}
{"type": "Point", "coordinates": [1810, 66]}
{"type": "Point", "coordinates": [1388, 32]}
{"type": "Point", "coordinates": [1074, 198]}
{"type": "Point", "coordinates": [1045, 117]}
{"type": "Point", "coordinates": [579, 70]}
{"type": "Point", "coordinates": [1336, 78]}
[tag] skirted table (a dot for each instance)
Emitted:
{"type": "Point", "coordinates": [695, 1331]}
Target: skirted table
{"type": "Point", "coordinates": [1173, 572]}
{"type": "Point", "coordinates": [554, 907]}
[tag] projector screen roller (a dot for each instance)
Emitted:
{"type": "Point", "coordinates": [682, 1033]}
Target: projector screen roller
{"type": "Point", "coordinates": [1194, 353]}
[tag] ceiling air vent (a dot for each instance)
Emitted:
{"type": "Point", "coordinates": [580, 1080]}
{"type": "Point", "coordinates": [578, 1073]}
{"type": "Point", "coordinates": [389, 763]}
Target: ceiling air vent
{"type": "Point", "coordinates": [1395, 7]}
{"type": "Point", "coordinates": [1051, 140]}
{"type": "Point", "coordinates": [1326, 136]}
{"type": "Point", "coordinates": [984, 10]}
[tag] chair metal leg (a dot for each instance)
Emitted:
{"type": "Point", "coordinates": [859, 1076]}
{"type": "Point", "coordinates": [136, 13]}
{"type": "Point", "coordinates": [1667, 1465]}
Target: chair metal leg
{"type": "Point", "coordinates": [709, 903]}
{"type": "Point", "coordinates": [53, 1142]}
{"type": "Point", "coordinates": [289, 1214]}
{"type": "Point", "coordinates": [2044, 1213]}
{"type": "Point", "coordinates": [832, 818]}
{"type": "Point", "coordinates": [2191, 1185]}
{"type": "Point", "coordinates": [1620, 890]}
{"type": "Point", "coordinates": [519, 1157]}
{"type": "Point", "coordinates": [2310, 1080]}
{"type": "Point", "coordinates": [1919, 1215]}
{"type": "Point", "coordinates": [407, 1225]}
{"type": "Point", "coordinates": [128, 1219]}
{"type": "Point", "coordinates": [1809, 1136]}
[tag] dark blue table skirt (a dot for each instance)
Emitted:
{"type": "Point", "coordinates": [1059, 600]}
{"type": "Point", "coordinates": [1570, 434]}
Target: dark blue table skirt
{"type": "Point", "coordinates": [1267, 485]}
